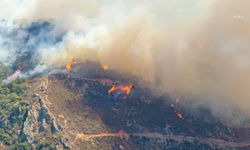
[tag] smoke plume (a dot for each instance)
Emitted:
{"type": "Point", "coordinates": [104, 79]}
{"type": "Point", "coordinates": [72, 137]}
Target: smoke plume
{"type": "Point", "coordinates": [197, 49]}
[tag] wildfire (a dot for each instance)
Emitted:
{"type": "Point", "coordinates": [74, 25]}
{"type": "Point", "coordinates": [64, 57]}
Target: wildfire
{"type": "Point", "coordinates": [69, 64]}
{"type": "Point", "coordinates": [125, 89]}
{"type": "Point", "coordinates": [105, 67]}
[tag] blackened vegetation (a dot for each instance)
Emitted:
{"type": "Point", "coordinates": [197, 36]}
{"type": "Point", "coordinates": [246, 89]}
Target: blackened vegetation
{"type": "Point", "coordinates": [142, 111]}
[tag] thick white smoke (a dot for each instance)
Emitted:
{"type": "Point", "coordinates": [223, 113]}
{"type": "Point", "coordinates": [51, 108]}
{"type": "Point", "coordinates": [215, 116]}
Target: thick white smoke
{"type": "Point", "coordinates": [199, 49]}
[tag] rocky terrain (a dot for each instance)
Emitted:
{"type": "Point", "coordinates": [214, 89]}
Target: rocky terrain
{"type": "Point", "coordinates": [76, 111]}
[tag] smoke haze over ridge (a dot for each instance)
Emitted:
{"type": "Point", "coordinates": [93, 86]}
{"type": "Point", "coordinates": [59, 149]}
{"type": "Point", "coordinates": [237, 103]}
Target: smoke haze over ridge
{"type": "Point", "coordinates": [198, 49]}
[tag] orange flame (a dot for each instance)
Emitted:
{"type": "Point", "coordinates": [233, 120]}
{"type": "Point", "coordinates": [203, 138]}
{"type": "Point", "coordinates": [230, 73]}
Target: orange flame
{"type": "Point", "coordinates": [69, 64]}
{"type": "Point", "coordinates": [105, 67]}
{"type": "Point", "coordinates": [126, 89]}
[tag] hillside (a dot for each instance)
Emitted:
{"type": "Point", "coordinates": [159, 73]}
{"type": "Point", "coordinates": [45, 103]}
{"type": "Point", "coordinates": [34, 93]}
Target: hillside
{"type": "Point", "coordinates": [124, 75]}
{"type": "Point", "coordinates": [76, 111]}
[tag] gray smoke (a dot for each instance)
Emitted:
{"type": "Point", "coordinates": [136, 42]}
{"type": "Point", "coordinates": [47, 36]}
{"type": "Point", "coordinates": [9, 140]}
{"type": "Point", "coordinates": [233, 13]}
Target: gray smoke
{"type": "Point", "coordinates": [196, 49]}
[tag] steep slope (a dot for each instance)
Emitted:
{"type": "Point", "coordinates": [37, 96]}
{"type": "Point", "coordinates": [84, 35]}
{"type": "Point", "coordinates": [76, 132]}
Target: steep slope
{"type": "Point", "coordinates": [89, 117]}
{"type": "Point", "coordinates": [25, 120]}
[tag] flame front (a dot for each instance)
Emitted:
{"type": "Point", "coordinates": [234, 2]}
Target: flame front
{"type": "Point", "coordinates": [69, 64]}
{"type": "Point", "coordinates": [126, 89]}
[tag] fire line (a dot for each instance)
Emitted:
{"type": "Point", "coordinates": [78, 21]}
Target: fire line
{"type": "Point", "coordinates": [126, 89]}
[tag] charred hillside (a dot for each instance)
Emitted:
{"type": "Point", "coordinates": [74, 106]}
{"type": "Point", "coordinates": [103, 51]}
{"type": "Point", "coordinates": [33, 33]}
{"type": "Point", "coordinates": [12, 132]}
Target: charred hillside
{"type": "Point", "coordinates": [81, 107]}
{"type": "Point", "coordinates": [89, 106]}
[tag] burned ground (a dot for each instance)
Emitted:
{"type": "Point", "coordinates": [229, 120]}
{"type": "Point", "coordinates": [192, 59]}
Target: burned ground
{"type": "Point", "coordinates": [81, 104]}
